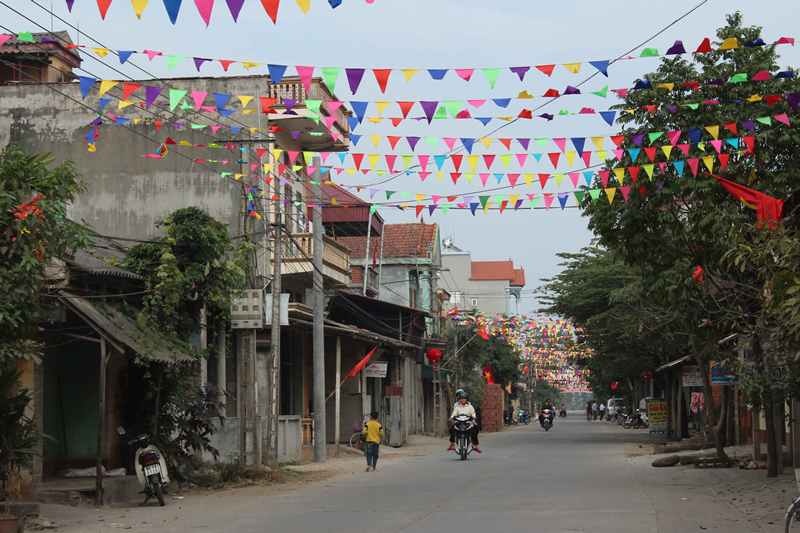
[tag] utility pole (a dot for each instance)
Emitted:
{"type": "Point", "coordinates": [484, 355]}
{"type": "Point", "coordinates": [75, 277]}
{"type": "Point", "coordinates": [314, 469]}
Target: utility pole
{"type": "Point", "coordinates": [366, 257]}
{"type": "Point", "coordinates": [320, 433]}
{"type": "Point", "coordinates": [275, 327]}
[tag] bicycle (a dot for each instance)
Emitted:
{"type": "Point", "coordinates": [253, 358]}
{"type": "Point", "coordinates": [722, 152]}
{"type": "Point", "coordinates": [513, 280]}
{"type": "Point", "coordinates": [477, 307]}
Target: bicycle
{"type": "Point", "coordinates": [356, 441]}
{"type": "Point", "coordinates": [793, 513]}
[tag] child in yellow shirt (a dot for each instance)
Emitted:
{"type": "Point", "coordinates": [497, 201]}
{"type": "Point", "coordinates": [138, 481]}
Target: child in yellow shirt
{"type": "Point", "coordinates": [372, 433]}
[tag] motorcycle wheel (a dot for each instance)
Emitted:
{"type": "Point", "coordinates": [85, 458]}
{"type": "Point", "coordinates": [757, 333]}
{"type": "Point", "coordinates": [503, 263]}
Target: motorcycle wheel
{"type": "Point", "coordinates": [157, 489]}
{"type": "Point", "coordinates": [462, 449]}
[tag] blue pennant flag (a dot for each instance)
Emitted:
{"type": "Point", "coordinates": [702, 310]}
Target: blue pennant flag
{"type": "Point", "coordinates": [236, 129]}
{"type": "Point", "coordinates": [124, 55]}
{"type": "Point", "coordinates": [86, 84]}
{"type": "Point", "coordinates": [342, 156]}
{"type": "Point", "coordinates": [601, 66]}
{"type": "Point", "coordinates": [484, 120]}
{"type": "Point", "coordinates": [468, 143]}
{"type": "Point", "coordinates": [352, 122]}
{"type": "Point", "coordinates": [499, 177]}
{"type": "Point", "coordinates": [562, 199]}
{"type": "Point", "coordinates": [439, 160]}
{"type": "Point", "coordinates": [276, 73]}
{"type": "Point", "coordinates": [221, 99]}
{"type": "Point", "coordinates": [634, 153]}
{"type": "Point", "coordinates": [173, 7]}
{"type": "Point", "coordinates": [537, 157]}
{"type": "Point", "coordinates": [609, 116]}
{"type": "Point", "coordinates": [354, 139]}
{"type": "Point", "coordinates": [335, 3]}
{"type": "Point", "coordinates": [437, 73]}
{"type": "Point", "coordinates": [588, 176]}
{"type": "Point", "coordinates": [578, 143]}
{"type": "Point", "coordinates": [360, 109]}
{"type": "Point", "coordinates": [694, 135]}
{"type": "Point", "coordinates": [473, 207]}
{"type": "Point", "coordinates": [501, 102]}
{"type": "Point", "coordinates": [679, 166]}
{"type": "Point", "coordinates": [103, 102]}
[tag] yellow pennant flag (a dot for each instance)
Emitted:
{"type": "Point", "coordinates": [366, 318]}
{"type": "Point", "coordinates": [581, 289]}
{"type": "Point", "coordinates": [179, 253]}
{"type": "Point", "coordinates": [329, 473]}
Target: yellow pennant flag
{"type": "Point", "coordinates": [507, 118]}
{"type": "Point", "coordinates": [487, 142]}
{"type": "Point", "coordinates": [559, 179]}
{"type": "Point", "coordinates": [701, 147]}
{"type": "Point", "coordinates": [648, 169]}
{"type": "Point", "coordinates": [409, 73]}
{"type": "Point", "coordinates": [309, 158]}
{"type": "Point", "coordinates": [708, 161]}
{"type": "Point", "coordinates": [599, 142]}
{"type": "Point", "coordinates": [123, 104]}
{"type": "Point", "coordinates": [512, 199]}
{"type": "Point", "coordinates": [713, 131]}
{"type": "Point", "coordinates": [139, 7]}
{"type": "Point", "coordinates": [505, 159]}
{"type": "Point", "coordinates": [439, 175]}
{"type": "Point", "coordinates": [267, 167]}
{"type": "Point", "coordinates": [277, 153]}
{"type": "Point", "coordinates": [373, 160]}
{"type": "Point", "coordinates": [350, 171]}
{"type": "Point", "coordinates": [667, 149]}
{"type": "Point", "coordinates": [610, 193]}
{"type": "Point", "coordinates": [472, 162]}
{"type": "Point", "coordinates": [375, 139]}
{"type": "Point", "coordinates": [137, 121]}
{"type": "Point", "coordinates": [375, 120]}
{"type": "Point", "coordinates": [253, 131]}
{"type": "Point", "coordinates": [244, 100]}
{"type": "Point", "coordinates": [729, 44]}
{"type": "Point", "coordinates": [469, 176]}
{"type": "Point", "coordinates": [665, 86]}
{"type": "Point", "coordinates": [571, 154]}
{"type": "Point", "coordinates": [248, 111]}
{"type": "Point", "coordinates": [619, 172]}
{"type": "Point", "coordinates": [419, 197]}
{"type": "Point", "coordinates": [380, 105]}
{"type": "Point", "coordinates": [528, 179]}
{"type": "Point", "coordinates": [573, 67]}
{"type": "Point", "coordinates": [601, 155]}
{"type": "Point", "coordinates": [407, 160]}
{"type": "Point", "coordinates": [105, 86]}
{"type": "Point", "coordinates": [184, 142]}
{"type": "Point", "coordinates": [100, 52]}
{"type": "Point", "coordinates": [250, 64]}
{"type": "Point", "coordinates": [304, 5]}
{"type": "Point", "coordinates": [755, 98]}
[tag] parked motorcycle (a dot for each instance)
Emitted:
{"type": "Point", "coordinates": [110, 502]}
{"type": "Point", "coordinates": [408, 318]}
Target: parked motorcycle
{"type": "Point", "coordinates": [150, 466]}
{"type": "Point", "coordinates": [464, 426]}
{"type": "Point", "coordinates": [524, 417]}
{"type": "Point", "coordinates": [546, 419]}
{"type": "Point", "coordinates": [635, 420]}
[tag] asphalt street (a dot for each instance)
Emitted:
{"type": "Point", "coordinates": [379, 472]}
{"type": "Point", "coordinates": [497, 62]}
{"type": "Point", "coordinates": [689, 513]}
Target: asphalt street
{"type": "Point", "coordinates": [575, 478]}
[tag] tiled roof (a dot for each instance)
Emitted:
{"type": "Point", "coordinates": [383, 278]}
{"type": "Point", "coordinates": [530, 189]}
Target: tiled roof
{"type": "Point", "coordinates": [519, 278]}
{"type": "Point", "coordinates": [492, 270]}
{"type": "Point", "coordinates": [399, 240]}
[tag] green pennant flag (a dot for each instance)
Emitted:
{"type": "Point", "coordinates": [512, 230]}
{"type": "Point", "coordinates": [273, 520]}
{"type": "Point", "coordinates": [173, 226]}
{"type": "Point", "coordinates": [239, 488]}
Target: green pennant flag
{"type": "Point", "coordinates": [441, 113]}
{"type": "Point", "coordinates": [373, 209]}
{"type": "Point", "coordinates": [197, 126]}
{"type": "Point", "coordinates": [767, 121]}
{"type": "Point", "coordinates": [505, 159]}
{"type": "Point", "coordinates": [175, 97]}
{"type": "Point", "coordinates": [389, 194]}
{"type": "Point", "coordinates": [491, 76]}
{"type": "Point", "coordinates": [739, 77]}
{"type": "Point", "coordinates": [484, 201]}
{"type": "Point", "coordinates": [330, 75]}
{"type": "Point", "coordinates": [693, 107]}
{"type": "Point", "coordinates": [25, 37]}
{"type": "Point", "coordinates": [579, 196]}
{"type": "Point", "coordinates": [650, 52]}
{"type": "Point", "coordinates": [313, 107]}
{"type": "Point", "coordinates": [595, 194]}
{"type": "Point", "coordinates": [542, 141]}
{"type": "Point", "coordinates": [172, 61]}
{"type": "Point", "coordinates": [445, 208]}
{"type": "Point", "coordinates": [453, 107]}
{"type": "Point", "coordinates": [602, 92]}
{"type": "Point", "coordinates": [654, 136]}
{"type": "Point", "coordinates": [433, 142]}
{"type": "Point", "coordinates": [564, 112]}
{"type": "Point", "coordinates": [186, 106]}
{"type": "Point", "coordinates": [535, 201]}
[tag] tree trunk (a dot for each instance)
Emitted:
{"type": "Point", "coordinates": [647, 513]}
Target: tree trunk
{"type": "Point", "coordinates": [772, 438]}
{"type": "Point", "coordinates": [709, 418]}
{"type": "Point", "coordinates": [720, 430]}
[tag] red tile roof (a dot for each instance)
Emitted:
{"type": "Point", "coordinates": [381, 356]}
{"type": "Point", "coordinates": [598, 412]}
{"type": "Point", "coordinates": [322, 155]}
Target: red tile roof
{"type": "Point", "coordinates": [399, 240]}
{"type": "Point", "coordinates": [498, 271]}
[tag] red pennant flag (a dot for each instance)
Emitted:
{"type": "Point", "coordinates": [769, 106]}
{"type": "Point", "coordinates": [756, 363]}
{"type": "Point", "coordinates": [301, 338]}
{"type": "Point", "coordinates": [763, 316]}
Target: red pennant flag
{"type": "Point", "coordinates": [361, 365]}
{"type": "Point", "coordinates": [551, 93]}
{"type": "Point", "coordinates": [419, 209]}
{"type": "Point", "coordinates": [525, 114]}
{"type": "Point", "coordinates": [503, 206]}
{"type": "Point", "coordinates": [267, 104]}
{"type": "Point", "coordinates": [226, 64]}
{"type": "Point", "coordinates": [396, 121]}
{"type": "Point", "coordinates": [454, 176]}
{"type": "Point", "coordinates": [271, 7]}
{"type": "Point", "coordinates": [357, 160]}
{"type": "Point", "coordinates": [694, 164]}
{"type": "Point", "coordinates": [382, 77]}
{"type": "Point", "coordinates": [650, 152]}
{"type": "Point", "coordinates": [452, 198]}
{"type": "Point", "coordinates": [512, 179]}
{"type": "Point", "coordinates": [554, 156]}
{"type": "Point", "coordinates": [128, 88]}
{"type": "Point", "coordinates": [634, 172]}
{"type": "Point", "coordinates": [723, 161]}
{"type": "Point", "coordinates": [390, 159]}
{"type": "Point", "coordinates": [604, 176]}
{"type": "Point", "coordinates": [393, 140]}
{"type": "Point", "coordinates": [103, 6]}
{"type": "Point", "coordinates": [705, 47]}
{"type": "Point", "coordinates": [618, 140]}
{"type": "Point", "coordinates": [505, 142]}
{"type": "Point", "coordinates": [587, 158]}
{"type": "Point", "coordinates": [768, 209]}
{"type": "Point", "coordinates": [547, 70]}
{"type": "Point", "coordinates": [488, 160]}
{"type": "Point", "coordinates": [405, 107]}
{"type": "Point", "coordinates": [543, 179]}
{"type": "Point", "coordinates": [626, 191]}
{"type": "Point", "coordinates": [750, 143]}
{"type": "Point", "coordinates": [457, 158]}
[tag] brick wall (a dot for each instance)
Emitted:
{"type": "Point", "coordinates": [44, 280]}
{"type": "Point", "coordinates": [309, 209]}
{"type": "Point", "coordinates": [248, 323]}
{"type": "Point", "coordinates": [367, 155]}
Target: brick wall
{"type": "Point", "coordinates": [492, 408]}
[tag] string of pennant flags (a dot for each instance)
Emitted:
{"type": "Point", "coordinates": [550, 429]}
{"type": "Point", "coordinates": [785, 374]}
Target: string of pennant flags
{"type": "Point", "coordinates": [205, 8]}
{"type": "Point", "coordinates": [356, 75]}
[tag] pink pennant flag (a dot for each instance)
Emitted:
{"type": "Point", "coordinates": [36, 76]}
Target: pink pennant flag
{"type": "Point", "coordinates": [329, 121]}
{"type": "Point", "coordinates": [293, 154]}
{"type": "Point", "coordinates": [587, 158]}
{"type": "Point", "coordinates": [215, 128]}
{"type": "Point", "coordinates": [619, 153]}
{"type": "Point", "coordinates": [717, 144]}
{"type": "Point", "coordinates": [152, 53]}
{"type": "Point", "coordinates": [783, 118]}
{"type": "Point", "coordinates": [626, 192]}
{"type": "Point", "coordinates": [521, 159]}
{"type": "Point", "coordinates": [484, 177]}
{"type": "Point", "coordinates": [204, 7]}
{"type": "Point", "coordinates": [4, 38]}
{"type": "Point", "coordinates": [423, 175]}
{"type": "Point", "coordinates": [305, 73]}
{"type": "Point", "coordinates": [694, 165]}
{"type": "Point", "coordinates": [423, 161]}
{"type": "Point", "coordinates": [198, 97]}
{"type": "Point", "coordinates": [476, 103]}
{"type": "Point", "coordinates": [684, 147]}
{"type": "Point", "coordinates": [450, 142]}
{"type": "Point", "coordinates": [548, 199]}
{"type": "Point", "coordinates": [390, 160]}
{"type": "Point", "coordinates": [574, 177]}
{"type": "Point", "coordinates": [674, 137]}
{"type": "Point", "coordinates": [604, 175]}
{"type": "Point", "coordinates": [465, 73]}
{"type": "Point", "coordinates": [512, 178]}
{"type": "Point", "coordinates": [332, 106]}
{"type": "Point", "coordinates": [561, 142]}
{"type": "Point", "coordinates": [662, 167]}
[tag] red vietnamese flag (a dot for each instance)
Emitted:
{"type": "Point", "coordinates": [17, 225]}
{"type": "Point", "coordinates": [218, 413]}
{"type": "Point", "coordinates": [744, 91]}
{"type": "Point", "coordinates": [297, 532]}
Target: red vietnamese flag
{"type": "Point", "coordinates": [361, 365]}
{"type": "Point", "coordinates": [768, 209]}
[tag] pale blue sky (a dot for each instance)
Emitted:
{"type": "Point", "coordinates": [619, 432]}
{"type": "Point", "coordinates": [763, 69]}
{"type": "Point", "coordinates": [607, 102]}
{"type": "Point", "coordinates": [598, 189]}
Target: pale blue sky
{"type": "Point", "coordinates": [440, 33]}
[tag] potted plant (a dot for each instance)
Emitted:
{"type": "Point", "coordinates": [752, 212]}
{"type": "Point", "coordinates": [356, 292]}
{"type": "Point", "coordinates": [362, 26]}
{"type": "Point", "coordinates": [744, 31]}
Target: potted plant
{"type": "Point", "coordinates": [17, 441]}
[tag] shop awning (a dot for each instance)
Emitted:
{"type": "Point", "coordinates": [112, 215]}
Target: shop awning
{"type": "Point", "coordinates": [121, 328]}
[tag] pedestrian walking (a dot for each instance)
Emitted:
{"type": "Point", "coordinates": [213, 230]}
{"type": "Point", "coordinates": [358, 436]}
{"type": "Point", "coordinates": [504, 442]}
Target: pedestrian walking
{"type": "Point", "coordinates": [373, 434]}
{"type": "Point", "coordinates": [595, 410]}
{"type": "Point", "coordinates": [589, 410]}
{"type": "Point", "coordinates": [602, 411]}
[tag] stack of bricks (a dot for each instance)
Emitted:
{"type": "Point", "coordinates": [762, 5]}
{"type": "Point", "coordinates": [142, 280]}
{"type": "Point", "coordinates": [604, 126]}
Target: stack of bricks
{"type": "Point", "coordinates": [492, 408]}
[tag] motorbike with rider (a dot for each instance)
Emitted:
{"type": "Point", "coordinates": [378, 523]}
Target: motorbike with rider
{"type": "Point", "coordinates": [463, 409]}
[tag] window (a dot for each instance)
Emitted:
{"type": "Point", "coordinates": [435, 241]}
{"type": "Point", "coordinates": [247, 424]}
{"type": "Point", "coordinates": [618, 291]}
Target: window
{"type": "Point", "coordinates": [455, 298]}
{"type": "Point", "coordinates": [474, 302]}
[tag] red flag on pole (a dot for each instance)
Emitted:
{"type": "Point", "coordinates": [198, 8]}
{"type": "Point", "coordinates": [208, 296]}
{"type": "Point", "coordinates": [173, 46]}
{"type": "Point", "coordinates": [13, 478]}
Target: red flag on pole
{"type": "Point", "coordinates": [768, 209]}
{"type": "Point", "coordinates": [361, 364]}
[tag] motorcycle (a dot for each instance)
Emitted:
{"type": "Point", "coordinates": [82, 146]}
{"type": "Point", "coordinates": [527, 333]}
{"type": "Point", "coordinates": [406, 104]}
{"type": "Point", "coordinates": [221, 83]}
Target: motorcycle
{"type": "Point", "coordinates": [635, 420]}
{"type": "Point", "coordinates": [150, 466]}
{"type": "Point", "coordinates": [464, 426]}
{"type": "Point", "coordinates": [546, 419]}
{"type": "Point", "coordinates": [524, 417]}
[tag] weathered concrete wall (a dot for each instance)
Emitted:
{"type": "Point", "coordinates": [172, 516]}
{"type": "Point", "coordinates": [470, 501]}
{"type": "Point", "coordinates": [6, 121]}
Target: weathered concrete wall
{"type": "Point", "coordinates": [492, 296]}
{"type": "Point", "coordinates": [125, 193]}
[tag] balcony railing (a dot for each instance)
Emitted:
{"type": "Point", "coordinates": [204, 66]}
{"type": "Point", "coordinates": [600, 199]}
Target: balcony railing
{"type": "Point", "coordinates": [293, 89]}
{"type": "Point", "coordinates": [335, 258]}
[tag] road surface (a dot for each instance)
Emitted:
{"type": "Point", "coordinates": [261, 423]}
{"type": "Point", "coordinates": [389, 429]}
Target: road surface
{"type": "Point", "coordinates": [575, 478]}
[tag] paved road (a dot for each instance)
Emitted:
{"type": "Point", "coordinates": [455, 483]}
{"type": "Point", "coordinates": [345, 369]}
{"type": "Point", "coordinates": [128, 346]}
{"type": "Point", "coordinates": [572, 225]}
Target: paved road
{"type": "Point", "coordinates": [574, 478]}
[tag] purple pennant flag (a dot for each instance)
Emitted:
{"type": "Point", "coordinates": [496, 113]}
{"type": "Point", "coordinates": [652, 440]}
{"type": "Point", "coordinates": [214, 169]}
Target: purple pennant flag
{"type": "Point", "coordinates": [295, 134]}
{"type": "Point", "coordinates": [638, 139]}
{"type": "Point", "coordinates": [430, 109]}
{"type": "Point", "coordinates": [520, 71]}
{"type": "Point", "coordinates": [676, 49]}
{"type": "Point", "coordinates": [517, 204]}
{"type": "Point", "coordinates": [793, 100]}
{"type": "Point", "coordinates": [431, 209]}
{"type": "Point", "coordinates": [70, 3]}
{"type": "Point", "coordinates": [749, 125]}
{"type": "Point", "coordinates": [151, 92]}
{"type": "Point", "coordinates": [547, 116]}
{"type": "Point", "coordinates": [235, 6]}
{"type": "Point", "coordinates": [672, 108]}
{"type": "Point", "coordinates": [354, 76]}
{"type": "Point", "coordinates": [412, 142]}
{"type": "Point", "coordinates": [524, 143]}
{"type": "Point", "coordinates": [198, 62]}
{"type": "Point", "coordinates": [572, 90]}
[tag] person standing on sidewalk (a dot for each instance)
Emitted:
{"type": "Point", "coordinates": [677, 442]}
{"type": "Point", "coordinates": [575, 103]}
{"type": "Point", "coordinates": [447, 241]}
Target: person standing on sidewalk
{"type": "Point", "coordinates": [373, 434]}
{"type": "Point", "coordinates": [602, 411]}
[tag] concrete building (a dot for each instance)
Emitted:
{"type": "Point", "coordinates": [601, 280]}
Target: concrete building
{"type": "Point", "coordinates": [493, 287]}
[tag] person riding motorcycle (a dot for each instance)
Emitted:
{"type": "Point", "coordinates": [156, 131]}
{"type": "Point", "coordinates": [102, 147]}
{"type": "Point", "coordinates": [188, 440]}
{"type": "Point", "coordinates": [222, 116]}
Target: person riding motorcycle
{"type": "Point", "coordinates": [463, 408]}
{"type": "Point", "coordinates": [547, 405]}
